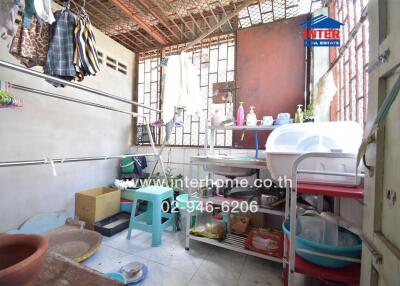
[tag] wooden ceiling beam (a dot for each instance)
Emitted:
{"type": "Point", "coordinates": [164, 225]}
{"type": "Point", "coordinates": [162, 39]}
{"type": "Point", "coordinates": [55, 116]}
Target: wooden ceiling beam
{"type": "Point", "coordinates": [128, 10]}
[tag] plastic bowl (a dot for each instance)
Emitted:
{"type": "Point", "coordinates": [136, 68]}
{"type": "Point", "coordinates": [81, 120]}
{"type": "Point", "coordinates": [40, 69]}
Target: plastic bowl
{"type": "Point", "coordinates": [347, 251]}
{"type": "Point", "coordinates": [117, 276]}
{"type": "Point", "coordinates": [183, 202]}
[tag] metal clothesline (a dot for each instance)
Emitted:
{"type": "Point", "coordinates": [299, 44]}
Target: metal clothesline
{"type": "Point", "coordinates": [72, 84]}
{"type": "Point", "coordinates": [52, 162]}
{"type": "Point", "coordinates": [45, 161]}
{"type": "Point", "coordinates": [67, 98]}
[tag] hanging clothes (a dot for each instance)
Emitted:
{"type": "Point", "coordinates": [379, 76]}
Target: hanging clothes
{"type": "Point", "coordinates": [43, 10]}
{"type": "Point", "coordinates": [60, 57]}
{"type": "Point", "coordinates": [140, 164]}
{"type": "Point", "coordinates": [85, 53]}
{"type": "Point", "coordinates": [29, 13]}
{"type": "Point", "coordinates": [8, 10]}
{"type": "Point", "coordinates": [181, 87]}
{"type": "Point", "coordinates": [30, 45]}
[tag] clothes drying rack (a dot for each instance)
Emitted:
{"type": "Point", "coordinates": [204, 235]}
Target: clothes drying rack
{"type": "Point", "coordinates": [52, 162]}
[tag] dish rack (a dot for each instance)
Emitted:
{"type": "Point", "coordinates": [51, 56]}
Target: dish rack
{"type": "Point", "coordinates": [294, 263]}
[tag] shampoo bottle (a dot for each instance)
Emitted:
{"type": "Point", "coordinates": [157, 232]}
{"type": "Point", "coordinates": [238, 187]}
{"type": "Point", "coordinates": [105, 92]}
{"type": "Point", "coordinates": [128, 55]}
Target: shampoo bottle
{"type": "Point", "coordinates": [240, 115]}
{"type": "Point", "coordinates": [298, 118]}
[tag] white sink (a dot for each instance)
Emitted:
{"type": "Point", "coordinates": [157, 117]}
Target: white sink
{"type": "Point", "coordinates": [224, 166]}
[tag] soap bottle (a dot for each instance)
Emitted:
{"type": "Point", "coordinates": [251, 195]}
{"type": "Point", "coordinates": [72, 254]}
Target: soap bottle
{"type": "Point", "coordinates": [240, 115]}
{"type": "Point", "coordinates": [298, 118]}
{"type": "Point", "coordinates": [251, 118]}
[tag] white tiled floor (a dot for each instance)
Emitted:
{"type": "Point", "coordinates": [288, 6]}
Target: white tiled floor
{"type": "Point", "coordinates": [171, 264]}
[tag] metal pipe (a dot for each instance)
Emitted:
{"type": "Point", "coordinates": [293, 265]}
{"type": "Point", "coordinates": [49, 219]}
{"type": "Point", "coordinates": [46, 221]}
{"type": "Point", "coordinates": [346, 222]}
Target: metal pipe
{"type": "Point", "coordinates": [68, 160]}
{"type": "Point", "coordinates": [72, 84]}
{"type": "Point", "coordinates": [66, 98]}
{"type": "Point", "coordinates": [329, 173]}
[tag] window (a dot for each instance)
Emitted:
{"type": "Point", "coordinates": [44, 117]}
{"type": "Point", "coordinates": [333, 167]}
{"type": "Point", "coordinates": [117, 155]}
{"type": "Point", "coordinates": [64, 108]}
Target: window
{"type": "Point", "coordinates": [149, 89]}
{"type": "Point", "coordinates": [215, 62]}
{"type": "Point", "coordinates": [351, 62]}
{"type": "Point", "coordinates": [269, 11]}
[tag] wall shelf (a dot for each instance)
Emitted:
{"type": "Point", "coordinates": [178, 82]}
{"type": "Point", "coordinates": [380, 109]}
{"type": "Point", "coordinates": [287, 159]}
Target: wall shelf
{"type": "Point", "coordinates": [245, 128]}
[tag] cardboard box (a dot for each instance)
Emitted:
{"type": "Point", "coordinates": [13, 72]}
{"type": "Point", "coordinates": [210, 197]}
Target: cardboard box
{"type": "Point", "coordinates": [96, 204]}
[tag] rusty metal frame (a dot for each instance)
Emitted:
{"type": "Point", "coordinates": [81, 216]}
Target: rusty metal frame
{"type": "Point", "coordinates": [159, 18]}
{"type": "Point", "coordinates": [143, 25]}
{"type": "Point", "coordinates": [130, 11]}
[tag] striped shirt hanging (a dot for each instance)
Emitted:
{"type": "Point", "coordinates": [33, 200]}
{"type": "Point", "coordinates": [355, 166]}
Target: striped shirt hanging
{"type": "Point", "coordinates": [85, 54]}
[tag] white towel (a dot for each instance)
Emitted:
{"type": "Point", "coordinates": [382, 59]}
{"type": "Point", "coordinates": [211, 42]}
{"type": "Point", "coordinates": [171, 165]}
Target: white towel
{"type": "Point", "coordinates": [43, 10]}
{"type": "Point", "coordinates": [181, 87]}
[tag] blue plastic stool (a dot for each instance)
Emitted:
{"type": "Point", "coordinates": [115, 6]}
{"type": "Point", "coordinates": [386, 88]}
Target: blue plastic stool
{"type": "Point", "coordinates": [154, 196]}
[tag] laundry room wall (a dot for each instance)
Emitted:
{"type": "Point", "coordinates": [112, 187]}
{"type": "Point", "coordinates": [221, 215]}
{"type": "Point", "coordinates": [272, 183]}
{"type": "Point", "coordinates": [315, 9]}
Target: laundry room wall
{"type": "Point", "coordinates": [51, 128]}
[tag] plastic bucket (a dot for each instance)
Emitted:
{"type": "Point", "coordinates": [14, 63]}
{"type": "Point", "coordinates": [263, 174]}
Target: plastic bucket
{"type": "Point", "coordinates": [347, 251]}
{"type": "Point", "coordinates": [125, 205]}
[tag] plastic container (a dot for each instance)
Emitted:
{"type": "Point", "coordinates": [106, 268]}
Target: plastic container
{"type": "Point", "coordinates": [283, 121]}
{"type": "Point", "coordinates": [208, 226]}
{"type": "Point", "coordinates": [283, 116]}
{"type": "Point", "coordinates": [317, 229]}
{"type": "Point", "coordinates": [113, 224]}
{"type": "Point", "coordinates": [353, 251]}
{"type": "Point", "coordinates": [127, 165]}
{"type": "Point", "coordinates": [125, 205]}
{"type": "Point", "coordinates": [265, 241]}
{"type": "Point", "coordinates": [286, 143]}
{"type": "Point", "coordinates": [182, 203]}
{"type": "Point", "coordinates": [183, 199]}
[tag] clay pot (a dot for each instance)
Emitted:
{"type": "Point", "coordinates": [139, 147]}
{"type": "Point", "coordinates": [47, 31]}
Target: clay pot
{"type": "Point", "coordinates": [21, 257]}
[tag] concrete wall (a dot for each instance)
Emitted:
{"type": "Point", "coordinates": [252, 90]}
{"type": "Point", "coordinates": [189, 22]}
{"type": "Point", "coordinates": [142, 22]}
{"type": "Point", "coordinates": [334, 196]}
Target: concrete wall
{"type": "Point", "coordinates": [47, 127]}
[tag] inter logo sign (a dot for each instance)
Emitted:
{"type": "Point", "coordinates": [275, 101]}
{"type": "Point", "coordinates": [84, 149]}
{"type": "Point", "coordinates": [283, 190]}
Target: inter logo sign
{"type": "Point", "coordinates": [321, 31]}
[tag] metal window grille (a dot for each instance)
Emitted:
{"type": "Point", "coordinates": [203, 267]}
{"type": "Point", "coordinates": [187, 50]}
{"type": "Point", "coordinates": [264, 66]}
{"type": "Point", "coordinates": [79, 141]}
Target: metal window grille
{"type": "Point", "coordinates": [149, 89]}
{"type": "Point", "coordinates": [269, 11]}
{"type": "Point", "coordinates": [215, 62]}
{"type": "Point", "coordinates": [352, 77]}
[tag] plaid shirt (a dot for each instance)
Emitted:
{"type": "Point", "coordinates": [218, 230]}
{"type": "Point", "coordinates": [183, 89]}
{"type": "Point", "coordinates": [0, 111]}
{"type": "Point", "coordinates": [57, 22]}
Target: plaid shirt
{"type": "Point", "coordinates": [60, 56]}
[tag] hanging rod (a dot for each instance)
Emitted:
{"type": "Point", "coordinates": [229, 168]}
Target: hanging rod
{"type": "Point", "coordinates": [66, 98]}
{"type": "Point", "coordinates": [68, 160]}
{"type": "Point", "coordinates": [72, 84]}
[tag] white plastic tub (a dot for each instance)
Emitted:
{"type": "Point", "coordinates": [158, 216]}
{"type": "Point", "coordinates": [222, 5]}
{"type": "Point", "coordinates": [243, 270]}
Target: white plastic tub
{"type": "Point", "coordinates": [288, 142]}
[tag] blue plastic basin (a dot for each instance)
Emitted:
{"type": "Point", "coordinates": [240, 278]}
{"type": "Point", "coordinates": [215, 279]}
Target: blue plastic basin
{"type": "Point", "coordinates": [347, 251]}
